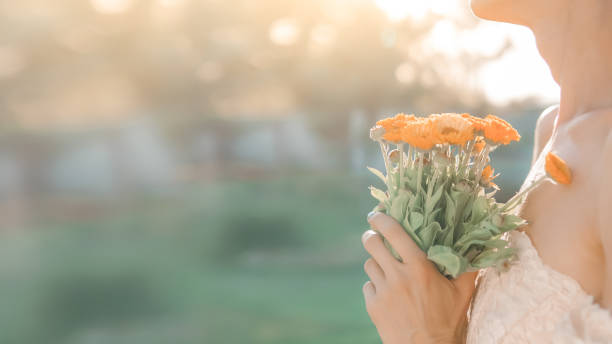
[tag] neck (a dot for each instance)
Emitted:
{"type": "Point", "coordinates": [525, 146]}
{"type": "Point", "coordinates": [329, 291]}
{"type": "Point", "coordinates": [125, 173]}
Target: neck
{"type": "Point", "coordinates": [575, 41]}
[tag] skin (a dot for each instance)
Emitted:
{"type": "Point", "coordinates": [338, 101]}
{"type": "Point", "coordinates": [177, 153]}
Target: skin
{"type": "Point", "coordinates": [570, 226]}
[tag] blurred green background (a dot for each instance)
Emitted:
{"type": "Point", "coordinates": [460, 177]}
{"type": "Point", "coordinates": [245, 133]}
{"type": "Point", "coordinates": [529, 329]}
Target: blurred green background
{"type": "Point", "coordinates": [182, 171]}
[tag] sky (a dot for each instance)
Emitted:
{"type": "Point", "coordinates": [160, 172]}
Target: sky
{"type": "Point", "coordinates": [520, 73]}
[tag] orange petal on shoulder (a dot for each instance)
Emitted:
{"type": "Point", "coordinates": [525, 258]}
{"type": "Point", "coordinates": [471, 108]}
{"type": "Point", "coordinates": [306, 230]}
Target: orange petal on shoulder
{"type": "Point", "coordinates": [557, 169]}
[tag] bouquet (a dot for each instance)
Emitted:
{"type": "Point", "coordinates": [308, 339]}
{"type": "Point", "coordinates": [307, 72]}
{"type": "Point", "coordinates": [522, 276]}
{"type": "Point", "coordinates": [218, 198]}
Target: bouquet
{"type": "Point", "coordinates": [439, 187]}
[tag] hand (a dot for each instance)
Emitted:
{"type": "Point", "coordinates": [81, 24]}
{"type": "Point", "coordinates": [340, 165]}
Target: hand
{"type": "Point", "coordinates": [411, 301]}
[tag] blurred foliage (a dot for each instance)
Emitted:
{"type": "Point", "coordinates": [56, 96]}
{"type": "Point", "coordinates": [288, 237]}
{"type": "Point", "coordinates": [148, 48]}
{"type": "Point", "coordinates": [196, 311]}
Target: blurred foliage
{"type": "Point", "coordinates": [253, 232]}
{"type": "Point", "coordinates": [125, 280]}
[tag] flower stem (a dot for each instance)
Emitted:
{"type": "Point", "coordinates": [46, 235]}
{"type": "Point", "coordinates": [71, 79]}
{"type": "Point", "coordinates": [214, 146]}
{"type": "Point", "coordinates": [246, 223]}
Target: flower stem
{"type": "Point", "coordinates": [480, 164]}
{"type": "Point", "coordinates": [383, 150]}
{"type": "Point", "coordinates": [401, 165]}
{"type": "Point", "coordinates": [466, 158]}
{"type": "Point", "coordinates": [419, 174]}
{"type": "Point", "coordinates": [420, 156]}
{"type": "Point", "coordinates": [430, 186]}
{"type": "Point", "coordinates": [410, 160]}
{"type": "Point", "coordinates": [515, 200]}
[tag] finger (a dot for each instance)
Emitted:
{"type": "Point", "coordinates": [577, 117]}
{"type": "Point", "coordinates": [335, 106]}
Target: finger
{"type": "Point", "coordinates": [374, 271]}
{"type": "Point", "coordinates": [397, 237]}
{"type": "Point", "coordinates": [369, 290]}
{"type": "Point", "coordinates": [373, 243]}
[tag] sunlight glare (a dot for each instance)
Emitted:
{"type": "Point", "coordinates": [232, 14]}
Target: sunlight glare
{"type": "Point", "coordinates": [400, 9]}
{"type": "Point", "coordinates": [284, 31]}
{"type": "Point", "coordinates": [520, 73]}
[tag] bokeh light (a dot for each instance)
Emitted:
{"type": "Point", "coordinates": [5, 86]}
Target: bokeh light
{"type": "Point", "coordinates": [111, 6]}
{"type": "Point", "coordinates": [284, 31]}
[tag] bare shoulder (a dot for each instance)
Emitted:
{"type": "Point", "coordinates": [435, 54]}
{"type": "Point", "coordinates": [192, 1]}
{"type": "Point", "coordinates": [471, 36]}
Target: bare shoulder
{"type": "Point", "coordinates": [544, 129]}
{"type": "Point", "coordinates": [604, 215]}
{"type": "Point", "coordinates": [603, 179]}
{"type": "Point", "coordinates": [605, 161]}
{"type": "Point", "coordinates": [547, 119]}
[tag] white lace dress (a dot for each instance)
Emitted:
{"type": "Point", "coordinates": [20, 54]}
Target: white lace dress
{"type": "Point", "coordinates": [532, 303]}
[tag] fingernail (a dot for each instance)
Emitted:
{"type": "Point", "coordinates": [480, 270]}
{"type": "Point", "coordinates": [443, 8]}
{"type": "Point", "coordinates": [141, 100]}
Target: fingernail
{"type": "Point", "coordinates": [372, 213]}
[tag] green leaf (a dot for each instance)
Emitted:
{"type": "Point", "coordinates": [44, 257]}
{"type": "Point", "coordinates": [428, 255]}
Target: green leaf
{"type": "Point", "coordinates": [432, 216]}
{"type": "Point", "coordinates": [462, 228]}
{"type": "Point", "coordinates": [412, 234]}
{"type": "Point", "coordinates": [511, 222]}
{"type": "Point", "coordinates": [449, 262]}
{"type": "Point", "coordinates": [410, 175]}
{"type": "Point", "coordinates": [461, 211]}
{"type": "Point", "coordinates": [480, 209]}
{"type": "Point", "coordinates": [416, 220]}
{"type": "Point", "coordinates": [448, 236]}
{"type": "Point", "coordinates": [412, 183]}
{"type": "Point", "coordinates": [488, 225]}
{"type": "Point", "coordinates": [407, 226]}
{"type": "Point", "coordinates": [469, 238]}
{"type": "Point", "coordinates": [491, 244]}
{"type": "Point", "coordinates": [378, 194]}
{"type": "Point", "coordinates": [450, 209]}
{"type": "Point", "coordinates": [399, 204]}
{"type": "Point", "coordinates": [431, 203]}
{"type": "Point", "coordinates": [377, 173]}
{"type": "Point", "coordinates": [467, 212]}
{"type": "Point", "coordinates": [429, 233]}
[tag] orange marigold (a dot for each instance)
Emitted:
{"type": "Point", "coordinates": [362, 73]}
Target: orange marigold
{"type": "Point", "coordinates": [557, 169]}
{"type": "Point", "coordinates": [393, 126]}
{"type": "Point", "coordinates": [478, 123]}
{"type": "Point", "coordinates": [487, 176]}
{"type": "Point", "coordinates": [452, 128]}
{"type": "Point", "coordinates": [487, 173]}
{"type": "Point", "coordinates": [479, 144]}
{"type": "Point", "coordinates": [419, 133]}
{"type": "Point", "coordinates": [499, 131]}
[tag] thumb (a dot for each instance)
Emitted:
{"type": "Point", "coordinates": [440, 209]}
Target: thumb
{"type": "Point", "coordinates": [466, 283]}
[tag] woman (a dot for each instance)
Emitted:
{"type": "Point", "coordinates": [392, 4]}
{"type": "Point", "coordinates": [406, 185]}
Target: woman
{"type": "Point", "coordinates": [559, 289]}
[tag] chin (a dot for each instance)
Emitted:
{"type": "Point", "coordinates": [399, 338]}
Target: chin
{"type": "Point", "coordinates": [483, 8]}
{"type": "Point", "coordinates": [496, 10]}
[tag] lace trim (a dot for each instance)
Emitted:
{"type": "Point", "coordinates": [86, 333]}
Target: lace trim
{"type": "Point", "coordinates": [531, 300]}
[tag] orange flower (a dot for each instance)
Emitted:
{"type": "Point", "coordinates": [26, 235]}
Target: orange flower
{"type": "Point", "coordinates": [487, 176]}
{"type": "Point", "coordinates": [557, 169]}
{"type": "Point", "coordinates": [419, 133]}
{"type": "Point", "coordinates": [487, 173]}
{"type": "Point", "coordinates": [499, 131]}
{"type": "Point", "coordinates": [479, 144]}
{"type": "Point", "coordinates": [452, 128]}
{"type": "Point", "coordinates": [478, 123]}
{"type": "Point", "coordinates": [393, 126]}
